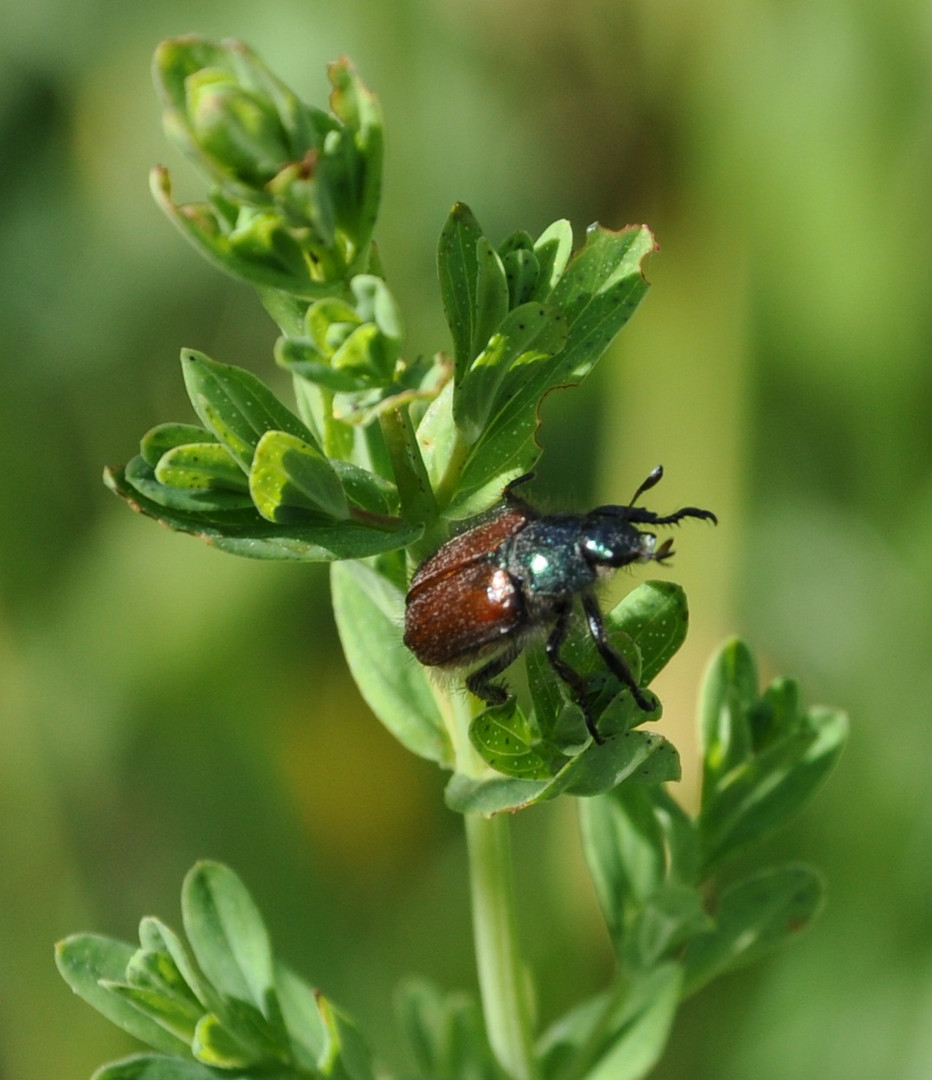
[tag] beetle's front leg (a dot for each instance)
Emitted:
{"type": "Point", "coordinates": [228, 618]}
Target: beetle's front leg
{"type": "Point", "coordinates": [569, 675]}
{"type": "Point", "coordinates": [615, 662]}
{"type": "Point", "coordinates": [639, 516]}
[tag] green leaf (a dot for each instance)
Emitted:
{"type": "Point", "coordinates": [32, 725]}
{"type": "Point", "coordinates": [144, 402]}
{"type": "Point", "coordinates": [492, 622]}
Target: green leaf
{"type": "Point", "coordinates": [236, 1041]}
{"type": "Point", "coordinates": [775, 714]}
{"type": "Point", "coordinates": [261, 251]}
{"type": "Point", "coordinates": [762, 758]}
{"type": "Point", "coordinates": [369, 612]}
{"type": "Point", "coordinates": [466, 794]}
{"type": "Point", "coordinates": [243, 532]}
{"type": "Point", "coordinates": [529, 333]}
{"type": "Point", "coordinates": [368, 356]}
{"type": "Point", "coordinates": [516, 241]}
{"type": "Point", "coordinates": [238, 129]}
{"type": "Point", "coordinates": [491, 304]}
{"type": "Point", "coordinates": [155, 970]}
{"type": "Point", "coordinates": [366, 490]}
{"type": "Point", "coordinates": [352, 161]}
{"type": "Point", "coordinates": [236, 406]}
{"type": "Point", "coordinates": [161, 940]}
{"type": "Point", "coordinates": [164, 437]}
{"type": "Point", "coordinates": [175, 1015]}
{"type": "Point", "coordinates": [204, 466]}
{"type": "Point", "coordinates": [638, 755]}
{"type": "Point", "coordinates": [329, 322]}
{"type": "Point", "coordinates": [680, 835]}
{"type": "Point", "coordinates": [673, 916]}
{"type": "Point", "coordinates": [347, 1056]}
{"type": "Point", "coordinates": [439, 443]}
{"type": "Point", "coordinates": [728, 692]}
{"type": "Point", "coordinates": [229, 938]}
{"type": "Point", "coordinates": [291, 478]}
{"type": "Point", "coordinates": [766, 791]}
{"type": "Point", "coordinates": [612, 705]}
{"type": "Point", "coordinates": [624, 846]}
{"type": "Point", "coordinates": [504, 740]}
{"type": "Point", "coordinates": [618, 1035]}
{"type": "Point", "coordinates": [522, 268]}
{"type": "Point", "coordinates": [597, 294]}
{"type": "Point", "coordinates": [753, 917]}
{"type": "Point", "coordinates": [553, 250]}
{"type": "Point", "coordinates": [641, 1040]}
{"type": "Point", "coordinates": [458, 270]}
{"type": "Point", "coordinates": [643, 756]}
{"type": "Point", "coordinates": [557, 717]}
{"type": "Point", "coordinates": [302, 187]}
{"type": "Point", "coordinates": [444, 1032]}
{"type": "Point", "coordinates": [344, 348]}
{"type": "Point", "coordinates": [156, 1067]}
{"type": "Point", "coordinates": [86, 962]}
{"type": "Point", "coordinates": [192, 62]}
{"type": "Point", "coordinates": [375, 304]}
{"type": "Point", "coordinates": [224, 503]}
{"type": "Point", "coordinates": [260, 247]}
{"type": "Point", "coordinates": [655, 616]}
{"type": "Point", "coordinates": [303, 359]}
{"type": "Point", "coordinates": [599, 291]}
{"type": "Point", "coordinates": [302, 1018]}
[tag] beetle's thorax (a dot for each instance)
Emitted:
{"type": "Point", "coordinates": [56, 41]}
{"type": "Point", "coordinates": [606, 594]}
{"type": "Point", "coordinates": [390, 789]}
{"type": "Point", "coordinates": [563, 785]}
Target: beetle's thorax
{"type": "Point", "coordinates": [547, 557]}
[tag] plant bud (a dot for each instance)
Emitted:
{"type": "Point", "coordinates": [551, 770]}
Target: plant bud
{"type": "Point", "coordinates": [239, 130]}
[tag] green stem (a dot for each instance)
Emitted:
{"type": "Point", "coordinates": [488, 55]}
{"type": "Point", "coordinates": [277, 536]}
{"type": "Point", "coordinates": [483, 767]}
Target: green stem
{"type": "Point", "coordinates": [501, 973]}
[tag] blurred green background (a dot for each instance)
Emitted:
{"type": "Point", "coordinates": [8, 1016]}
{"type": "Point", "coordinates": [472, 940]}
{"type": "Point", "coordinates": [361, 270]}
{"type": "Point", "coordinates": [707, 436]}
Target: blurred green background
{"type": "Point", "coordinates": [160, 702]}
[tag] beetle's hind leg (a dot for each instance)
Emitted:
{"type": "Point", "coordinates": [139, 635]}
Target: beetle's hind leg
{"type": "Point", "coordinates": [570, 675]}
{"type": "Point", "coordinates": [479, 682]}
{"type": "Point", "coordinates": [615, 662]}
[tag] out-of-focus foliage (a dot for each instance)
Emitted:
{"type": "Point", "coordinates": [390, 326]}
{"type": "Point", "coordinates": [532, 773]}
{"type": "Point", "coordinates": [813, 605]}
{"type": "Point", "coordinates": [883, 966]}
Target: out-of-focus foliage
{"type": "Point", "coordinates": [782, 156]}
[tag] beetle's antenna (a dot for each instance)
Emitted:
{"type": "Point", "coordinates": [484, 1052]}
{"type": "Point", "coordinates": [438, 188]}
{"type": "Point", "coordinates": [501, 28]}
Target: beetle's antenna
{"type": "Point", "coordinates": [656, 475]}
{"type": "Point", "coordinates": [664, 552]}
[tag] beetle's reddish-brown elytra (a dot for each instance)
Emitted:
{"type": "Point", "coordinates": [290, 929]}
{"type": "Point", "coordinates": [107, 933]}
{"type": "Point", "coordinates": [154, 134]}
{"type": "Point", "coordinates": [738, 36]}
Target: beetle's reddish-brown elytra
{"type": "Point", "coordinates": [485, 592]}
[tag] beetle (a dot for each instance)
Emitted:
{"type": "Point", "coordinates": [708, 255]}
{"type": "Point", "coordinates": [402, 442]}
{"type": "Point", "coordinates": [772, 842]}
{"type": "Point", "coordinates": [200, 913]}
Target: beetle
{"type": "Point", "coordinates": [487, 591]}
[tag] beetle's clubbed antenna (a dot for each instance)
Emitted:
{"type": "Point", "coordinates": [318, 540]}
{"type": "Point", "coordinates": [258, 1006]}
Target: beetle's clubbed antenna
{"type": "Point", "coordinates": [656, 475]}
{"type": "Point", "coordinates": [665, 551]}
{"type": "Point", "coordinates": [638, 515]}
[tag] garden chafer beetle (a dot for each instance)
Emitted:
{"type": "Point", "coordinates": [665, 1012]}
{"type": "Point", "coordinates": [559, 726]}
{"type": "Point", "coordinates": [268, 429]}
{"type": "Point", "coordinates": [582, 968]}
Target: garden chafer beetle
{"type": "Point", "coordinates": [486, 592]}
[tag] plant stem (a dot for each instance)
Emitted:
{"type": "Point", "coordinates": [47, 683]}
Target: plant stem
{"type": "Point", "coordinates": [501, 974]}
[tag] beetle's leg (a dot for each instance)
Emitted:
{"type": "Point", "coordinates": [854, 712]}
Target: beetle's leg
{"type": "Point", "coordinates": [614, 660]}
{"type": "Point", "coordinates": [569, 675]}
{"type": "Point", "coordinates": [639, 516]}
{"type": "Point", "coordinates": [480, 681]}
{"type": "Point", "coordinates": [508, 494]}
